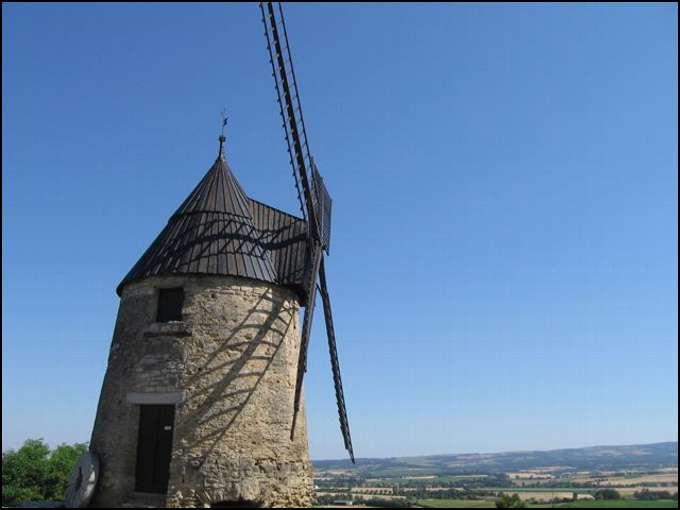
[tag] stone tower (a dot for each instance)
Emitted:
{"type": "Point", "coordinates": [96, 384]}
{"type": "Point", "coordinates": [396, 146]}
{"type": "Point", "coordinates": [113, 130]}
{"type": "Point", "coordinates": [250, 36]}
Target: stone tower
{"type": "Point", "coordinates": [196, 405]}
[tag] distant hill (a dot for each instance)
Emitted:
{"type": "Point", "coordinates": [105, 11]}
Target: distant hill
{"type": "Point", "coordinates": [648, 456]}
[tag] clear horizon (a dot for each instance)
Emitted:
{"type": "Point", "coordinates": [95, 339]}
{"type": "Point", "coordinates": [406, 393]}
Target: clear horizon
{"type": "Point", "coordinates": [510, 451]}
{"type": "Point", "coordinates": [503, 268]}
{"type": "Point", "coordinates": [482, 452]}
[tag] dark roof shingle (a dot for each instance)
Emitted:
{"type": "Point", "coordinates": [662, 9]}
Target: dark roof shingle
{"type": "Point", "coordinates": [219, 230]}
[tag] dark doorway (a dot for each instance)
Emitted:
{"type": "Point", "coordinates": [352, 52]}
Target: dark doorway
{"type": "Point", "coordinates": [154, 444]}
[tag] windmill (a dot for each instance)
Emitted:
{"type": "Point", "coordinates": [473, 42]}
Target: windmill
{"type": "Point", "coordinates": [207, 357]}
{"type": "Point", "coordinates": [315, 205]}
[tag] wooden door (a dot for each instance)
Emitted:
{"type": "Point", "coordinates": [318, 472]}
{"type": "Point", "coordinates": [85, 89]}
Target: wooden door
{"type": "Point", "coordinates": [154, 446]}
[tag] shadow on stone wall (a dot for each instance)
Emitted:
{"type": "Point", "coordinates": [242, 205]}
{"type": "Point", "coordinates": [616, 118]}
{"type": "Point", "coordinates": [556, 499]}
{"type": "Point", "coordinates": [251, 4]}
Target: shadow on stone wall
{"type": "Point", "coordinates": [252, 341]}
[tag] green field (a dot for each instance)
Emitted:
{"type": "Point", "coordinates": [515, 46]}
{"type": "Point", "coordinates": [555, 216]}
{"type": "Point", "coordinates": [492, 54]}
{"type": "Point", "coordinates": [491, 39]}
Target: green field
{"type": "Point", "coordinates": [512, 490]}
{"type": "Point", "coordinates": [455, 503]}
{"type": "Point", "coordinates": [620, 503]}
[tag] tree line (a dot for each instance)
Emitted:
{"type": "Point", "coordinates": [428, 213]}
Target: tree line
{"type": "Point", "coordinates": [35, 472]}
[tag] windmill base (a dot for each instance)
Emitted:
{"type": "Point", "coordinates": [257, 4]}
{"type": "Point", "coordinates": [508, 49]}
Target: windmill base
{"type": "Point", "coordinates": [215, 389]}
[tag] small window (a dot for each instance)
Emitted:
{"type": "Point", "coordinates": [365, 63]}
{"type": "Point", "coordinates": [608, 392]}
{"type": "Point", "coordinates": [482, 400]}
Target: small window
{"type": "Point", "coordinates": [170, 304]}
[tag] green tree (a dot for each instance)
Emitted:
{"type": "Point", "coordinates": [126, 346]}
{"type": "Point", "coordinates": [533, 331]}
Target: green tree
{"type": "Point", "coordinates": [607, 494]}
{"type": "Point", "coordinates": [34, 473]}
{"type": "Point", "coordinates": [507, 501]}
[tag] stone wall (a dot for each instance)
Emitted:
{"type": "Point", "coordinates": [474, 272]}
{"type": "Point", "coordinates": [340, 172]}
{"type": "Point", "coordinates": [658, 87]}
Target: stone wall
{"type": "Point", "coordinates": [230, 365]}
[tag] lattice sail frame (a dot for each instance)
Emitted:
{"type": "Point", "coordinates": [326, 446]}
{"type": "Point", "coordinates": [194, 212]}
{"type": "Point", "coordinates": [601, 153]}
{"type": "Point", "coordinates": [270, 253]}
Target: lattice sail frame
{"type": "Point", "coordinates": [315, 204]}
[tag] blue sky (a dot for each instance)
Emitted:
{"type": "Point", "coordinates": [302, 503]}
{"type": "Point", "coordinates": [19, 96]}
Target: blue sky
{"type": "Point", "coordinates": [504, 259]}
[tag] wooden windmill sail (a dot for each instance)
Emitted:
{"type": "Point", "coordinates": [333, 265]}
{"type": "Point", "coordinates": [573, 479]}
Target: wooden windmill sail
{"type": "Point", "coordinates": [315, 204]}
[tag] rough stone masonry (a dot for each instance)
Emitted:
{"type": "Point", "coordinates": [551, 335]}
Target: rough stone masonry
{"type": "Point", "coordinates": [229, 368]}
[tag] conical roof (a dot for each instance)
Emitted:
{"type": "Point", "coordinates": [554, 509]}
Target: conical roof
{"type": "Point", "coordinates": [212, 232]}
{"type": "Point", "coordinates": [218, 192]}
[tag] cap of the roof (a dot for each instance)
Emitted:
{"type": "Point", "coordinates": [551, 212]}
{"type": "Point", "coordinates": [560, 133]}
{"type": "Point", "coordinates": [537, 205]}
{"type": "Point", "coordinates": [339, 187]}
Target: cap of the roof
{"type": "Point", "coordinates": [218, 192]}
{"type": "Point", "coordinates": [212, 232]}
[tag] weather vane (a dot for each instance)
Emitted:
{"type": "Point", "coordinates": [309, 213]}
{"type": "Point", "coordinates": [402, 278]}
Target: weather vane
{"type": "Point", "coordinates": [224, 118]}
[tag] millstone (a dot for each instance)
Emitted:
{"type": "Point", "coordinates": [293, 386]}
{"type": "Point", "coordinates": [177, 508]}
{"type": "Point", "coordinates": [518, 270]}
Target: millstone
{"type": "Point", "coordinates": [82, 481]}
